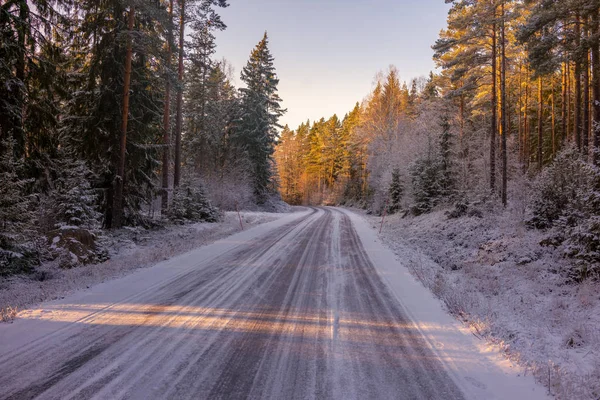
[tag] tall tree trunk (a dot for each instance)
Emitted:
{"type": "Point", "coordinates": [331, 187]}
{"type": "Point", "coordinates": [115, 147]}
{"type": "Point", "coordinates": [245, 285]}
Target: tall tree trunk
{"type": "Point", "coordinates": [553, 115]}
{"type": "Point", "coordinates": [596, 83]}
{"type": "Point", "coordinates": [585, 131]}
{"type": "Point", "coordinates": [520, 114]}
{"type": "Point", "coordinates": [117, 215]}
{"type": "Point", "coordinates": [540, 144]}
{"type": "Point", "coordinates": [569, 135]}
{"type": "Point", "coordinates": [179, 121]}
{"type": "Point", "coordinates": [166, 157]}
{"type": "Point", "coordinates": [17, 119]}
{"type": "Point", "coordinates": [527, 124]}
{"type": "Point", "coordinates": [494, 127]}
{"type": "Point", "coordinates": [577, 122]}
{"type": "Point", "coordinates": [504, 110]}
{"type": "Point", "coordinates": [564, 103]}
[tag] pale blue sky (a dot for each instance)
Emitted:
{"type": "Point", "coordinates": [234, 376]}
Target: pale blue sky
{"type": "Point", "coordinates": [327, 52]}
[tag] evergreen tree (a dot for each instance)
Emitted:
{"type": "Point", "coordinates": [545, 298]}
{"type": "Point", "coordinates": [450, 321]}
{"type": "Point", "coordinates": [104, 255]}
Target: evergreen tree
{"type": "Point", "coordinates": [92, 125]}
{"type": "Point", "coordinates": [16, 215]}
{"type": "Point", "coordinates": [425, 175]}
{"type": "Point", "coordinates": [73, 201]}
{"type": "Point", "coordinates": [260, 116]}
{"type": "Point", "coordinates": [446, 167]}
{"type": "Point", "coordinates": [190, 204]}
{"type": "Point", "coordinates": [396, 192]}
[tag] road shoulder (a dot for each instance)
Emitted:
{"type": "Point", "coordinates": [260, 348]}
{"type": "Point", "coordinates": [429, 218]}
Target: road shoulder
{"type": "Point", "coordinates": [477, 367]}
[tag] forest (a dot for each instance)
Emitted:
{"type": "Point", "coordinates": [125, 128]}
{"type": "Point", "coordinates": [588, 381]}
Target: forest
{"type": "Point", "coordinates": [512, 119]}
{"type": "Point", "coordinates": [116, 113]}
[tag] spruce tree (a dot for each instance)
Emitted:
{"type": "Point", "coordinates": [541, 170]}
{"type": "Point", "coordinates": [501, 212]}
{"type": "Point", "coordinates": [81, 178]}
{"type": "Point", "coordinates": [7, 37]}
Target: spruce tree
{"type": "Point", "coordinates": [445, 163]}
{"type": "Point", "coordinates": [261, 111]}
{"type": "Point", "coordinates": [396, 192]}
{"type": "Point", "coordinates": [16, 215]}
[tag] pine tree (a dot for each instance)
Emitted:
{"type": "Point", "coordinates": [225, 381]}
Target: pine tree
{"type": "Point", "coordinates": [190, 204]}
{"type": "Point", "coordinates": [73, 201]}
{"type": "Point", "coordinates": [93, 115]}
{"type": "Point", "coordinates": [16, 215]}
{"type": "Point", "coordinates": [445, 162]}
{"type": "Point", "coordinates": [396, 192]}
{"type": "Point", "coordinates": [260, 115]}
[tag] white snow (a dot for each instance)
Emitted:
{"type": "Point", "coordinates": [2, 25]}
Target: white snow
{"type": "Point", "coordinates": [37, 322]}
{"type": "Point", "coordinates": [477, 366]}
{"type": "Point", "coordinates": [130, 249]}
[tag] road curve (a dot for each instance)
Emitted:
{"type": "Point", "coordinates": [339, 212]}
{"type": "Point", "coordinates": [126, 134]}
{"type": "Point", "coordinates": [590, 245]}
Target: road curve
{"type": "Point", "coordinates": [297, 313]}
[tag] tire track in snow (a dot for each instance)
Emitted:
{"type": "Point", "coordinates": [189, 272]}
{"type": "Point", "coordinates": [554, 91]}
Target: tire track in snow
{"type": "Point", "coordinates": [297, 313]}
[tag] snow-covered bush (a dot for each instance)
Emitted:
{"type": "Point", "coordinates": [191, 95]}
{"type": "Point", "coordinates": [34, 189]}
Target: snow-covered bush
{"type": "Point", "coordinates": [396, 192]}
{"type": "Point", "coordinates": [566, 197]}
{"type": "Point", "coordinates": [73, 201]}
{"type": "Point", "coordinates": [17, 251]}
{"type": "Point", "coordinates": [68, 216]}
{"type": "Point", "coordinates": [556, 188]}
{"type": "Point", "coordinates": [191, 204]}
{"type": "Point", "coordinates": [426, 181]}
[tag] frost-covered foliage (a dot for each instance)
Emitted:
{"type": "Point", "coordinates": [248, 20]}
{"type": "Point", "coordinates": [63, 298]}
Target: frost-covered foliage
{"type": "Point", "coordinates": [17, 254]}
{"type": "Point", "coordinates": [426, 182]}
{"type": "Point", "coordinates": [396, 192]}
{"type": "Point", "coordinates": [566, 197]}
{"type": "Point", "coordinates": [191, 204]}
{"type": "Point", "coordinates": [73, 200]}
{"type": "Point", "coordinates": [432, 174]}
{"type": "Point", "coordinates": [556, 188]}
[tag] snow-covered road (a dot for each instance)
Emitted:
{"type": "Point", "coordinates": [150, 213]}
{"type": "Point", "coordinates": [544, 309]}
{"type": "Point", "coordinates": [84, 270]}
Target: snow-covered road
{"type": "Point", "coordinates": [292, 309]}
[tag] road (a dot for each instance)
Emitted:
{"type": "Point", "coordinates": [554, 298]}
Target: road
{"type": "Point", "coordinates": [298, 312]}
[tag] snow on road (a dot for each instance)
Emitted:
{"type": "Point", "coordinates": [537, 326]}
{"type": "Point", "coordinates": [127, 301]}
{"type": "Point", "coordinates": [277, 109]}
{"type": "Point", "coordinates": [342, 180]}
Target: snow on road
{"type": "Point", "coordinates": [308, 306]}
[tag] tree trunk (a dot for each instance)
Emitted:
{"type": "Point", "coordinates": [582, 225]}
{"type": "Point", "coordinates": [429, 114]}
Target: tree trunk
{"type": "Point", "coordinates": [540, 158]}
{"type": "Point", "coordinates": [553, 114]}
{"type": "Point", "coordinates": [569, 135]}
{"type": "Point", "coordinates": [596, 83]}
{"type": "Point", "coordinates": [179, 122]}
{"type": "Point", "coordinates": [527, 125]}
{"type": "Point", "coordinates": [564, 104]}
{"type": "Point", "coordinates": [494, 127]}
{"type": "Point", "coordinates": [520, 114]}
{"type": "Point", "coordinates": [17, 119]}
{"type": "Point", "coordinates": [585, 131]}
{"type": "Point", "coordinates": [166, 158]}
{"type": "Point", "coordinates": [577, 122]}
{"type": "Point", "coordinates": [117, 215]}
{"type": "Point", "coordinates": [504, 111]}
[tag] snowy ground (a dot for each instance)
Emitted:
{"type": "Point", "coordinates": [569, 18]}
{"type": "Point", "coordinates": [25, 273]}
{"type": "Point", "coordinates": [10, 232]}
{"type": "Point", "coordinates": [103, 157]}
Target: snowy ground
{"type": "Point", "coordinates": [130, 249]}
{"type": "Point", "coordinates": [309, 306]}
{"type": "Point", "coordinates": [492, 274]}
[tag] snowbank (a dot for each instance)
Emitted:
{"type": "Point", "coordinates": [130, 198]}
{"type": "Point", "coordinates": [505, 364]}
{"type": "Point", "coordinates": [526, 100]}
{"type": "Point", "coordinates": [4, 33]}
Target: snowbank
{"type": "Point", "coordinates": [130, 249]}
{"type": "Point", "coordinates": [493, 275]}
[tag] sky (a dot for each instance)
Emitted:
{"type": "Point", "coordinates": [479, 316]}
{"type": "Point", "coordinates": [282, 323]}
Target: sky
{"type": "Point", "coordinates": [327, 52]}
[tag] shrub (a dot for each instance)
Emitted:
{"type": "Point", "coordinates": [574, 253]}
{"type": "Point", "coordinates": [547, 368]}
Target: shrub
{"type": "Point", "coordinates": [191, 204]}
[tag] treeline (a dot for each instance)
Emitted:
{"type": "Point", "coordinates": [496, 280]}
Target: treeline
{"type": "Point", "coordinates": [116, 113]}
{"type": "Point", "coordinates": [515, 110]}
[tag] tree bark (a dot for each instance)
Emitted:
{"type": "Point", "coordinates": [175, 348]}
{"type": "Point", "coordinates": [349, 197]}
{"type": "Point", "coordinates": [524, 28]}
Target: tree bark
{"type": "Point", "coordinates": [526, 148]}
{"type": "Point", "coordinates": [540, 144]}
{"type": "Point", "coordinates": [585, 131]}
{"type": "Point", "coordinates": [596, 84]}
{"type": "Point", "coordinates": [179, 121]}
{"type": "Point", "coordinates": [564, 104]}
{"type": "Point", "coordinates": [553, 115]}
{"type": "Point", "coordinates": [520, 115]}
{"type": "Point", "coordinates": [117, 215]}
{"type": "Point", "coordinates": [504, 110]}
{"type": "Point", "coordinates": [577, 101]}
{"type": "Point", "coordinates": [494, 100]}
{"type": "Point", "coordinates": [166, 157]}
